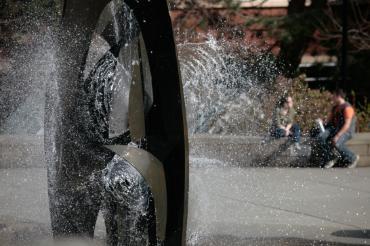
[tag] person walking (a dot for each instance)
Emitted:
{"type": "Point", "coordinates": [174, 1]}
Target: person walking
{"type": "Point", "coordinates": [340, 128]}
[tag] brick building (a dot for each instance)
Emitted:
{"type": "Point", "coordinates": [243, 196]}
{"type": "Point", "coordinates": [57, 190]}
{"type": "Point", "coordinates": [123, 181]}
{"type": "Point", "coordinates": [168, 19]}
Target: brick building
{"type": "Point", "coordinates": [319, 63]}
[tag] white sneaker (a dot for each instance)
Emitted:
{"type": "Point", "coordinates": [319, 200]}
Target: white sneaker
{"type": "Point", "coordinates": [355, 162]}
{"type": "Point", "coordinates": [330, 164]}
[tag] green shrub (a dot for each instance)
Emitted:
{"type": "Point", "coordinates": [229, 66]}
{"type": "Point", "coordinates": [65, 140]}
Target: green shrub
{"type": "Point", "coordinates": [363, 117]}
{"type": "Point", "coordinates": [310, 104]}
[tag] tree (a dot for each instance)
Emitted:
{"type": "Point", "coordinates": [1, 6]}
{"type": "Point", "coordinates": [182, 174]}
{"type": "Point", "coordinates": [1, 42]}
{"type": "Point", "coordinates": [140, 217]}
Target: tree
{"type": "Point", "coordinates": [191, 17]}
{"type": "Point", "coordinates": [297, 28]}
{"type": "Point", "coordinates": [330, 36]}
{"type": "Point", "coordinates": [358, 29]}
{"type": "Point", "coordinates": [292, 32]}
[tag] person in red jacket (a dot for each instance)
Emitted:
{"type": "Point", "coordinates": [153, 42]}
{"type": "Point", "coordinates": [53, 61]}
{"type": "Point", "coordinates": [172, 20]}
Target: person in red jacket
{"type": "Point", "coordinates": [339, 129]}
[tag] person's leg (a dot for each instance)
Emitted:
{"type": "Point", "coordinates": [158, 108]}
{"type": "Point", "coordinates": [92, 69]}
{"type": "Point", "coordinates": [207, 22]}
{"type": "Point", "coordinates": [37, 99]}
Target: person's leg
{"type": "Point", "coordinates": [295, 133]}
{"type": "Point", "coordinates": [345, 154]}
{"type": "Point", "coordinates": [277, 133]}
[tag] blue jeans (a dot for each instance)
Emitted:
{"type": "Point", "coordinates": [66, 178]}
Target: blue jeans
{"type": "Point", "coordinates": [295, 134]}
{"type": "Point", "coordinates": [329, 149]}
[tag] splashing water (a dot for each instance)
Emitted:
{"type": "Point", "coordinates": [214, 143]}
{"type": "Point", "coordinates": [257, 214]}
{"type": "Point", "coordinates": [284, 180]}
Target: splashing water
{"type": "Point", "coordinates": [126, 187]}
{"type": "Point", "coordinates": [225, 86]}
{"type": "Point", "coordinates": [23, 88]}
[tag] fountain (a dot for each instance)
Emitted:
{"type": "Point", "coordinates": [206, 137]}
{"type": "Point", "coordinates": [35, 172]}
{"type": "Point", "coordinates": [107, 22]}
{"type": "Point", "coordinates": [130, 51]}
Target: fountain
{"type": "Point", "coordinates": [114, 127]}
{"type": "Point", "coordinates": [115, 131]}
{"type": "Point", "coordinates": [113, 117]}
{"type": "Point", "coordinates": [226, 86]}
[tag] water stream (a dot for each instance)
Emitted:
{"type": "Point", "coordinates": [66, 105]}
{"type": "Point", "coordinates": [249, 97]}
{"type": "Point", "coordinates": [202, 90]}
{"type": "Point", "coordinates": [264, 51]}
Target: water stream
{"type": "Point", "coordinates": [225, 86]}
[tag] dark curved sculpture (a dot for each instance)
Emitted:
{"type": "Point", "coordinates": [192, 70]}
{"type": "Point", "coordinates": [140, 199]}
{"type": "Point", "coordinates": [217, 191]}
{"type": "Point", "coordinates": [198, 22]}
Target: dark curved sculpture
{"type": "Point", "coordinates": [115, 131]}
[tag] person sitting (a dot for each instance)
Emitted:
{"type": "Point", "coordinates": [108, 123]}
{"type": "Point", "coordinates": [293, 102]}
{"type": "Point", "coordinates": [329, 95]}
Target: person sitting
{"type": "Point", "coordinates": [283, 121]}
{"type": "Point", "coordinates": [340, 127]}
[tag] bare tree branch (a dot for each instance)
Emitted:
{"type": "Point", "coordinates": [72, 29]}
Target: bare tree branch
{"type": "Point", "coordinates": [359, 29]}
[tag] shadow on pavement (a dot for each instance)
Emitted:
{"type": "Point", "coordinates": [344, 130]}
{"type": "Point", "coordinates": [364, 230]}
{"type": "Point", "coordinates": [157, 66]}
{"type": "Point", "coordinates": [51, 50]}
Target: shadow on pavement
{"type": "Point", "coordinates": [226, 240]}
{"type": "Point", "coordinates": [363, 234]}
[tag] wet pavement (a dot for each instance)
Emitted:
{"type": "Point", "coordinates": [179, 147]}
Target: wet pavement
{"type": "Point", "coordinates": [274, 206]}
{"type": "Point", "coordinates": [227, 206]}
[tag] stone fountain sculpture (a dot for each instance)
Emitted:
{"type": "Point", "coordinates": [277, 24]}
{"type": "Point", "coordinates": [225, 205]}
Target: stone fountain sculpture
{"type": "Point", "coordinates": [115, 130]}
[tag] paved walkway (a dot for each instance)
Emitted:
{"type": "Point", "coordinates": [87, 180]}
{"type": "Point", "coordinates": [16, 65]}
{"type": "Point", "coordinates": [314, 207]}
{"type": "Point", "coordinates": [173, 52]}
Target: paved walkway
{"type": "Point", "coordinates": [228, 206]}
{"type": "Point", "coordinates": [265, 205]}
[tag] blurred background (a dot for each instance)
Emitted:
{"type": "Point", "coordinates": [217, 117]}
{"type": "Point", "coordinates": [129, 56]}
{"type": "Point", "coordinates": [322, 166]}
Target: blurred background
{"type": "Point", "coordinates": [318, 45]}
{"type": "Point", "coordinates": [237, 58]}
{"type": "Point", "coordinates": [313, 46]}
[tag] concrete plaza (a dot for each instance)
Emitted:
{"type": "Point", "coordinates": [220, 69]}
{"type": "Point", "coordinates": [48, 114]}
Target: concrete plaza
{"type": "Point", "coordinates": [227, 206]}
{"type": "Point", "coordinates": [278, 206]}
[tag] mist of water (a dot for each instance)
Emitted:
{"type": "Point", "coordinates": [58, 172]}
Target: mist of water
{"type": "Point", "coordinates": [225, 85]}
{"type": "Point", "coordinates": [22, 101]}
